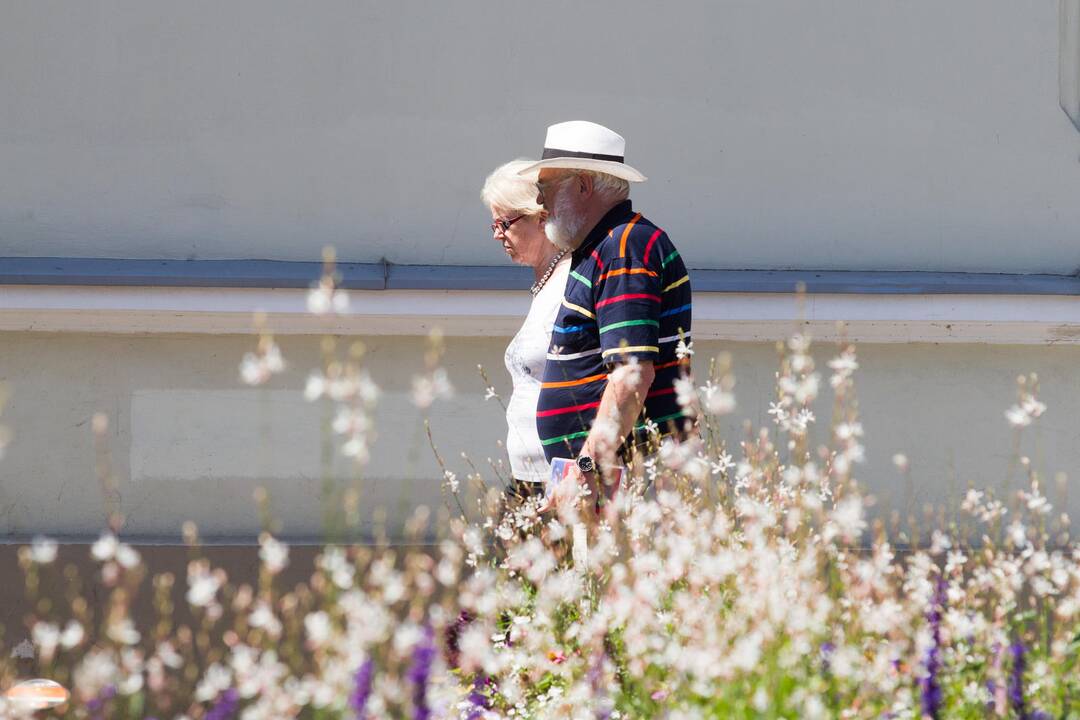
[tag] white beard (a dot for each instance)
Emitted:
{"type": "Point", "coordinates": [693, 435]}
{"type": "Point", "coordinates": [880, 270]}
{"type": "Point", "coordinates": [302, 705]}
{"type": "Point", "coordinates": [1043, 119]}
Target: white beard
{"type": "Point", "coordinates": [565, 224]}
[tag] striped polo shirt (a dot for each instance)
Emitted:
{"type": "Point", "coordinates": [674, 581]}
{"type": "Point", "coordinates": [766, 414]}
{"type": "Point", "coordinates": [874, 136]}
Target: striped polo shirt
{"type": "Point", "coordinates": [628, 295]}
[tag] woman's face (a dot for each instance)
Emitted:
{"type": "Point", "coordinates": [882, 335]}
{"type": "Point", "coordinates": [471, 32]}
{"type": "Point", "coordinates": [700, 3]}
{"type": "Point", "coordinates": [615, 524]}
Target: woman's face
{"type": "Point", "coordinates": [524, 241]}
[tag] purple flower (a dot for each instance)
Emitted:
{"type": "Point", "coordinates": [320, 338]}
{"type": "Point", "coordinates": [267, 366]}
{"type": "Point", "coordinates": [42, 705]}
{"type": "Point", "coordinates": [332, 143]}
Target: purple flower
{"type": "Point", "coordinates": [826, 651]}
{"type": "Point", "coordinates": [477, 699]}
{"type": "Point", "coordinates": [226, 706]}
{"type": "Point", "coordinates": [362, 688]}
{"type": "Point", "coordinates": [1016, 681]}
{"type": "Point", "coordinates": [96, 706]}
{"type": "Point", "coordinates": [930, 689]}
{"type": "Point", "coordinates": [420, 672]}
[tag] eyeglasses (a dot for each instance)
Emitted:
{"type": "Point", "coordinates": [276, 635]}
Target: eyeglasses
{"type": "Point", "coordinates": [504, 224]}
{"type": "Point", "coordinates": [543, 187]}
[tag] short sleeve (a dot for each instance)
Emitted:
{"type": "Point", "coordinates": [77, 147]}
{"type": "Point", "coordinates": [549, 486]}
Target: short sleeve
{"type": "Point", "coordinates": [628, 293]}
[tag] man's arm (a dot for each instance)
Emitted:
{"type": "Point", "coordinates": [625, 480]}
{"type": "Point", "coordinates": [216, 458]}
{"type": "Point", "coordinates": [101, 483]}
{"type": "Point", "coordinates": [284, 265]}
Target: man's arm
{"type": "Point", "coordinates": [620, 406]}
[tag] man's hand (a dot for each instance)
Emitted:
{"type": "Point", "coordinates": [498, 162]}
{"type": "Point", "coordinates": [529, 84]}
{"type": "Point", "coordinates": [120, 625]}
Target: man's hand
{"type": "Point", "coordinates": [620, 406]}
{"type": "Point", "coordinates": [598, 501]}
{"type": "Point", "coordinates": [567, 489]}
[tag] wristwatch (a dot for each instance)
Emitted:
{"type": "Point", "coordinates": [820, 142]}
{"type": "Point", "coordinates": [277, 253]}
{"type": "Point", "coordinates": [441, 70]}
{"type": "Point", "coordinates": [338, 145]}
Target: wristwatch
{"type": "Point", "coordinates": [586, 464]}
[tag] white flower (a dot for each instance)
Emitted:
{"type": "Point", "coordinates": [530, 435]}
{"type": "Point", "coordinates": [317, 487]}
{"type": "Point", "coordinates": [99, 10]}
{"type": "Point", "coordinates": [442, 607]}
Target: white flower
{"type": "Point", "coordinates": [724, 462]}
{"type": "Point", "coordinates": [315, 387]}
{"type": "Point", "coordinates": [1036, 502]}
{"type": "Point", "coordinates": [845, 362]}
{"type": "Point", "coordinates": [1017, 534]}
{"type": "Point", "coordinates": [747, 652]}
{"type": "Point", "coordinates": [202, 586]}
{"type": "Point", "coordinates": [450, 481]}
{"type": "Point", "coordinates": [803, 419]}
{"type": "Point", "coordinates": [274, 554]}
{"type": "Point", "coordinates": [651, 428]}
{"type": "Point", "coordinates": [716, 400]}
{"type": "Point", "coordinates": [349, 421]}
{"type": "Point", "coordinates": [356, 447]}
{"type": "Point", "coordinates": [939, 542]}
{"type": "Point", "coordinates": [366, 389]}
{"type": "Point", "coordinates": [1031, 406]}
{"type": "Point", "coordinates": [628, 373]}
{"type": "Point", "coordinates": [127, 556]}
{"type": "Point", "coordinates": [97, 670]}
{"type": "Point", "coordinates": [807, 389]}
{"type": "Point", "coordinates": [46, 637]}
{"type": "Point", "coordinates": [972, 501]}
{"type": "Point", "coordinates": [216, 680]}
{"type": "Point", "coordinates": [43, 550]}
{"type": "Point", "coordinates": [317, 626]}
{"type": "Point", "coordinates": [684, 349]}
{"type": "Point", "coordinates": [318, 301]}
{"type": "Point", "coordinates": [340, 301]}
{"type": "Point", "coordinates": [813, 708]}
{"type": "Point", "coordinates": [262, 616]}
{"type": "Point", "coordinates": [475, 646]}
{"type": "Point", "coordinates": [123, 631]}
{"type": "Point", "coordinates": [685, 393]}
{"type": "Point", "coordinates": [335, 564]}
{"type": "Point", "coordinates": [258, 367]}
{"type": "Point", "coordinates": [325, 297]}
{"type": "Point", "coordinates": [72, 635]}
{"type": "Point", "coordinates": [1017, 417]}
{"type": "Point", "coordinates": [272, 358]}
{"type": "Point", "coordinates": [847, 517]}
{"type": "Point", "coordinates": [105, 547]}
{"type": "Point", "coordinates": [252, 371]}
{"type": "Point", "coordinates": [426, 389]}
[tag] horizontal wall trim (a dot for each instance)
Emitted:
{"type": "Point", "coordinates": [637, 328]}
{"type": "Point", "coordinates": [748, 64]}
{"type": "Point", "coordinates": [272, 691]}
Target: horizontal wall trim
{"type": "Point", "coordinates": [760, 316]}
{"type": "Point", "coordinates": [272, 274]}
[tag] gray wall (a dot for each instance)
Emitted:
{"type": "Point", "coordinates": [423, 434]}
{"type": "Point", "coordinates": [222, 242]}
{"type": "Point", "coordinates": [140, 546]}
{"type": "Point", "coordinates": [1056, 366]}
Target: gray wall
{"type": "Point", "coordinates": [843, 134]}
{"type": "Point", "coordinates": [867, 134]}
{"type": "Point", "coordinates": [188, 442]}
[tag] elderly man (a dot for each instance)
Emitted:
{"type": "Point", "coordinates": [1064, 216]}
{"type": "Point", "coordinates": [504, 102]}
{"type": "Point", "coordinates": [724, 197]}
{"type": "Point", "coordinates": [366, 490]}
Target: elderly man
{"type": "Point", "coordinates": [612, 363]}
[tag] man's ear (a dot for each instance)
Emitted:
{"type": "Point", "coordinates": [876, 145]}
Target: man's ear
{"type": "Point", "coordinates": [585, 185]}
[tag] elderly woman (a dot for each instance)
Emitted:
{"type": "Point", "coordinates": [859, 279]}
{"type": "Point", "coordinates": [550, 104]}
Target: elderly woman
{"type": "Point", "coordinates": [517, 222]}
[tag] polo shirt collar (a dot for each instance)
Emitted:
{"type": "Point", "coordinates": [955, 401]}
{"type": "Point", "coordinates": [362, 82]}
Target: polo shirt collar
{"type": "Point", "coordinates": [615, 216]}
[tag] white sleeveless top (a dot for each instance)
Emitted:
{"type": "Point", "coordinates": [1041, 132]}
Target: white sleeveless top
{"type": "Point", "coordinates": [525, 358]}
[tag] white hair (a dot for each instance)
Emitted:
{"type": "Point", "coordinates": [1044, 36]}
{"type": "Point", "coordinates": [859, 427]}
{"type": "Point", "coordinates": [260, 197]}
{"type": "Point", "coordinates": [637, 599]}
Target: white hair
{"type": "Point", "coordinates": [506, 190]}
{"type": "Point", "coordinates": [613, 188]}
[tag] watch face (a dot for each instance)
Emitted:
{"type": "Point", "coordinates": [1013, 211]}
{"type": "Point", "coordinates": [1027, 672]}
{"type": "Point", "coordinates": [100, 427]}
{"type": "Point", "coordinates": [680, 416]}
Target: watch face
{"type": "Point", "coordinates": [586, 464]}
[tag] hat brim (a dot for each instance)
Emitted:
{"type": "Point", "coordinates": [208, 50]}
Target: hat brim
{"type": "Point", "coordinates": [618, 169]}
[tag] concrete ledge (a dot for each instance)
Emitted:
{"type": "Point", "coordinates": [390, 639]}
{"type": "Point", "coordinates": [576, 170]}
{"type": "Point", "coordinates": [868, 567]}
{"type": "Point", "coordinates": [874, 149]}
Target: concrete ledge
{"type": "Point", "coordinates": [897, 318]}
{"type": "Point", "coordinates": [222, 296]}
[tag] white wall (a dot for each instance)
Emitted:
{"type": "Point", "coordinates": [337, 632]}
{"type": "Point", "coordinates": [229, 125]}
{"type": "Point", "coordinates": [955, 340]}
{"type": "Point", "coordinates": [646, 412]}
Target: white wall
{"type": "Point", "coordinates": [187, 441]}
{"type": "Point", "coordinates": [874, 134]}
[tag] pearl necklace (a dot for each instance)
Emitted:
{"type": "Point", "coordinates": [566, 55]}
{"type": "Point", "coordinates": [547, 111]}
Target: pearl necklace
{"type": "Point", "coordinates": [539, 284]}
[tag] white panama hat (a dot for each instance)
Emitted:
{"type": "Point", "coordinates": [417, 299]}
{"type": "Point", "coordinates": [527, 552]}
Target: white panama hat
{"type": "Point", "coordinates": [584, 145]}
